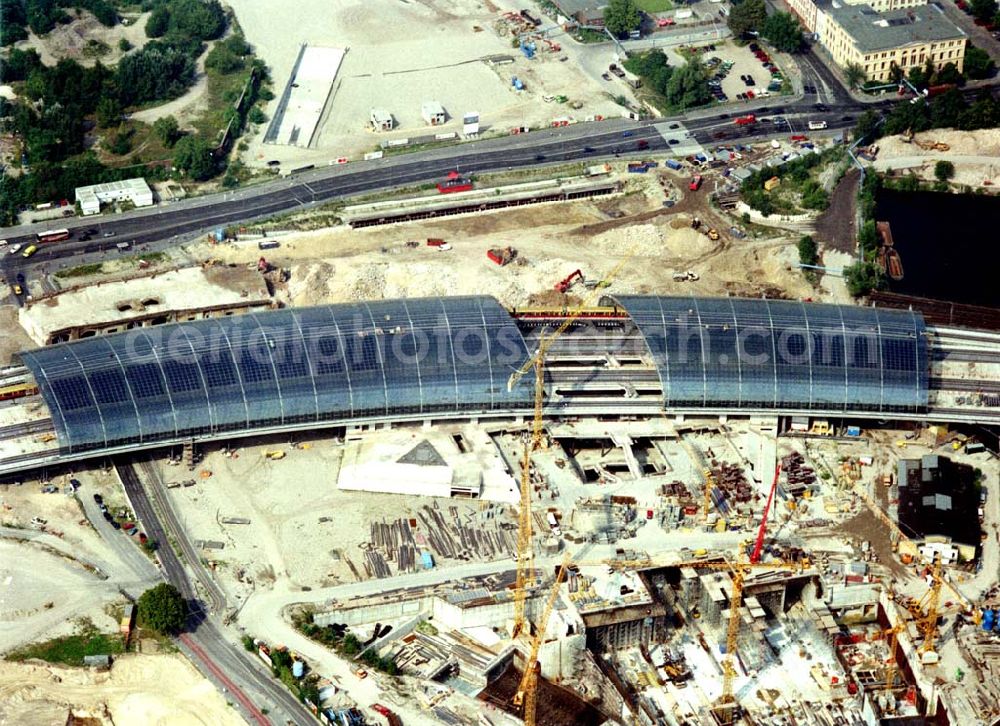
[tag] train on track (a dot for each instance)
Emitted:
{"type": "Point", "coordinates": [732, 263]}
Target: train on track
{"type": "Point", "coordinates": [18, 390]}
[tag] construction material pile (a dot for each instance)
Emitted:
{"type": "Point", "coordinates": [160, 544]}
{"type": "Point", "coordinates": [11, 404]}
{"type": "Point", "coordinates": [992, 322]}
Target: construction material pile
{"type": "Point", "coordinates": [732, 485]}
{"type": "Point", "coordinates": [798, 477]}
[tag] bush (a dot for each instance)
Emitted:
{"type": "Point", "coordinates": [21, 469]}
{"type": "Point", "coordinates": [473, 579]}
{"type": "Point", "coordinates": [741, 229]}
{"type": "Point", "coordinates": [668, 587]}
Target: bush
{"type": "Point", "coordinates": [863, 277]}
{"type": "Point", "coordinates": [124, 46]}
{"type": "Point", "coordinates": [163, 609]}
{"type": "Point", "coordinates": [944, 170]}
{"type": "Point", "coordinates": [256, 115]}
{"type": "Point", "coordinates": [808, 251]}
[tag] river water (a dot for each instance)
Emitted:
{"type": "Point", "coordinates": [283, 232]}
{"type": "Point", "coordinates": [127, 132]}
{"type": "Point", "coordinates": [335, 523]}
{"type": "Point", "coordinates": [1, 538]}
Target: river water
{"type": "Point", "coordinates": [949, 244]}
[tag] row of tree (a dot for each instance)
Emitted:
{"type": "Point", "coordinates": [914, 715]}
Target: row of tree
{"type": "Point", "coordinates": [948, 110]}
{"type": "Point", "coordinates": [781, 30]}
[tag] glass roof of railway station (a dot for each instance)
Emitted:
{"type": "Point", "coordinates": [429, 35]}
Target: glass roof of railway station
{"type": "Point", "coordinates": [454, 355]}
{"type": "Point", "coordinates": [737, 353]}
{"type": "Point", "coordinates": [282, 367]}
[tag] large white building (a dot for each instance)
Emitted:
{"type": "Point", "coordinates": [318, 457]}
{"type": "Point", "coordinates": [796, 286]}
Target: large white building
{"type": "Point", "coordinates": [136, 191]}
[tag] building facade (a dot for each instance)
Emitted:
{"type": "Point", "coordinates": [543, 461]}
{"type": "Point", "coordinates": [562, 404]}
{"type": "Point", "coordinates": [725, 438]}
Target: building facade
{"type": "Point", "coordinates": [901, 38]}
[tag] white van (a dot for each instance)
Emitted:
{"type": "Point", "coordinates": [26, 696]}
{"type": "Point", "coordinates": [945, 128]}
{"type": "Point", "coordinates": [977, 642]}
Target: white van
{"type": "Point", "coordinates": [817, 125]}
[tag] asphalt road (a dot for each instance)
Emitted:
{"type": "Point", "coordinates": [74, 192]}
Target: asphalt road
{"type": "Point", "coordinates": [230, 667]}
{"type": "Point", "coordinates": [171, 224]}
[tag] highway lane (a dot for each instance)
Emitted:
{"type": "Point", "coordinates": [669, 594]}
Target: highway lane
{"type": "Point", "coordinates": [171, 224]}
{"type": "Point", "coordinates": [209, 643]}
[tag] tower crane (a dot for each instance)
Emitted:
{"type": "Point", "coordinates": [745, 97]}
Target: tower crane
{"type": "Point", "coordinates": [926, 610]}
{"type": "Point", "coordinates": [706, 474]}
{"type": "Point", "coordinates": [525, 550]}
{"type": "Point", "coordinates": [525, 697]}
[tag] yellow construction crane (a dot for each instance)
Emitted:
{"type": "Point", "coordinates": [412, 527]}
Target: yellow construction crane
{"type": "Point", "coordinates": [527, 689]}
{"type": "Point", "coordinates": [696, 459]}
{"type": "Point", "coordinates": [727, 701]}
{"type": "Point", "coordinates": [926, 611]}
{"type": "Point", "coordinates": [525, 550]}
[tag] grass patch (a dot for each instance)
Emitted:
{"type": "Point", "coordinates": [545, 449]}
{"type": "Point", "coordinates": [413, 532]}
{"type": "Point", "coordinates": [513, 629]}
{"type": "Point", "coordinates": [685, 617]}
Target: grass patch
{"type": "Point", "coordinates": [654, 6]}
{"type": "Point", "coordinates": [94, 268]}
{"type": "Point", "coordinates": [223, 90]}
{"type": "Point", "coordinates": [71, 649]}
{"type": "Point", "coordinates": [150, 257]}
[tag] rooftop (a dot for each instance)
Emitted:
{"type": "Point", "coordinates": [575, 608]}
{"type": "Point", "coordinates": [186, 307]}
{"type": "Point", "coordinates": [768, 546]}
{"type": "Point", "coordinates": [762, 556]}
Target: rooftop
{"type": "Point", "coordinates": [938, 497]}
{"type": "Point", "coordinates": [874, 31]}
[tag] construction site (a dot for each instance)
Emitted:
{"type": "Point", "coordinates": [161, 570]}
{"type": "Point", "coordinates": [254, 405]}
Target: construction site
{"type": "Point", "coordinates": [574, 449]}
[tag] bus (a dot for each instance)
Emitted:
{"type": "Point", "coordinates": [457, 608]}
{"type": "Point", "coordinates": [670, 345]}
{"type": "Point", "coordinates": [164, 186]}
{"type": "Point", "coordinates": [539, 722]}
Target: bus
{"type": "Point", "coordinates": [54, 235]}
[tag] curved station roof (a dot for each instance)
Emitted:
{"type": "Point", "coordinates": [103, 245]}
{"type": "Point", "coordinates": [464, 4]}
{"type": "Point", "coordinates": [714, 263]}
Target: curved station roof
{"type": "Point", "coordinates": [407, 358]}
{"type": "Point", "coordinates": [737, 353]}
{"type": "Point", "coordinates": [283, 367]}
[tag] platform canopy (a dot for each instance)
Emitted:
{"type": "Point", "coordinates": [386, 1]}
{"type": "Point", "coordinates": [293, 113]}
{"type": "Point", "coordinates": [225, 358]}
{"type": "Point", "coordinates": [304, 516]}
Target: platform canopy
{"type": "Point", "coordinates": [270, 369]}
{"type": "Point", "coordinates": [719, 353]}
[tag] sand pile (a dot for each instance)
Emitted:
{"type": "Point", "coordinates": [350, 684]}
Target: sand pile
{"type": "Point", "coordinates": [141, 689]}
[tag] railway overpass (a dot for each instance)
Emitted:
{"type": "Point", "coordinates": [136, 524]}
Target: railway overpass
{"type": "Point", "coordinates": [438, 359]}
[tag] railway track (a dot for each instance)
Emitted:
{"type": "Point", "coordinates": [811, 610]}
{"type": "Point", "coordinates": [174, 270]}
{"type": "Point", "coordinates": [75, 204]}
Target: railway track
{"type": "Point", "coordinates": [13, 431]}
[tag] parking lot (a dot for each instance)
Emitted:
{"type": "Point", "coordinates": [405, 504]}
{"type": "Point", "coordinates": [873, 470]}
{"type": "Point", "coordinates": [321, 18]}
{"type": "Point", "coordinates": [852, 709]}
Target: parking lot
{"type": "Point", "coordinates": [740, 74]}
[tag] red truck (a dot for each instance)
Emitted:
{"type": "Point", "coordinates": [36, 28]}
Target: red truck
{"type": "Point", "coordinates": [746, 120]}
{"type": "Point", "coordinates": [695, 184]}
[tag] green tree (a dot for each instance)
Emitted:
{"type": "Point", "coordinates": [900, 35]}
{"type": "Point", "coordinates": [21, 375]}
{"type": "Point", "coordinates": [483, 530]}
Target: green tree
{"type": "Point", "coordinates": [109, 112]}
{"type": "Point", "coordinates": [688, 86]}
{"type": "Point", "coordinates": [746, 16]}
{"type": "Point", "coordinates": [949, 73]}
{"type": "Point", "coordinates": [124, 46]}
{"type": "Point", "coordinates": [868, 239]}
{"type": "Point", "coordinates": [944, 170]}
{"type": "Point", "coordinates": [978, 63]}
{"type": "Point", "coordinates": [866, 126]}
{"type": "Point", "coordinates": [163, 609]}
{"type": "Point", "coordinates": [256, 115]}
{"type": "Point", "coordinates": [855, 75]}
{"type": "Point", "coordinates": [621, 16]}
{"type": "Point", "coordinates": [158, 22]}
{"type": "Point", "coordinates": [201, 19]}
{"type": "Point", "coordinates": [983, 9]}
{"type": "Point", "coordinates": [167, 130]}
{"type": "Point", "coordinates": [193, 155]}
{"type": "Point", "coordinates": [808, 250]}
{"type": "Point", "coordinates": [947, 108]}
{"type": "Point", "coordinates": [984, 113]}
{"type": "Point", "coordinates": [783, 31]}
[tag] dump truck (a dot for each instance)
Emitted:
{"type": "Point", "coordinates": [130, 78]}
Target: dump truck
{"type": "Point", "coordinates": [747, 120]}
{"type": "Point", "coordinates": [695, 184]}
{"type": "Point", "coordinates": [501, 255]}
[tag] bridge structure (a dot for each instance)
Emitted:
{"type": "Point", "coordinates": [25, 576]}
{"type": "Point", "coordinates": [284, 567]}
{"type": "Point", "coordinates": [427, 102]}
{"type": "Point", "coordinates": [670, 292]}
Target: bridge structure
{"type": "Point", "coordinates": [430, 360]}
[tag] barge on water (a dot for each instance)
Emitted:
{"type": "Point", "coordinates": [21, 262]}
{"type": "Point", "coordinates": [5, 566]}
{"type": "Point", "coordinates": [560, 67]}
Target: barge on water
{"type": "Point", "coordinates": [888, 257]}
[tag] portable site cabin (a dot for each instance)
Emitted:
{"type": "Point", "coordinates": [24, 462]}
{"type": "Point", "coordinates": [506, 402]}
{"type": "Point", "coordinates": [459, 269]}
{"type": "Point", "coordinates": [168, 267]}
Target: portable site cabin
{"type": "Point", "coordinates": [433, 113]}
{"type": "Point", "coordinates": [380, 120]}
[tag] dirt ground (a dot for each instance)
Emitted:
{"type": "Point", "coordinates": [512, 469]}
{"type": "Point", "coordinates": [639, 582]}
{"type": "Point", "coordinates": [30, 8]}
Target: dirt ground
{"type": "Point", "coordinates": [309, 536]}
{"type": "Point", "coordinates": [340, 264]}
{"type": "Point", "coordinates": [14, 338]}
{"type": "Point", "coordinates": [835, 226]}
{"type": "Point", "coordinates": [139, 689]}
{"type": "Point", "coordinates": [438, 57]}
{"type": "Point", "coordinates": [70, 40]}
